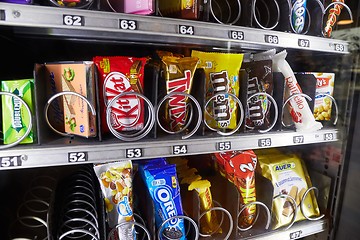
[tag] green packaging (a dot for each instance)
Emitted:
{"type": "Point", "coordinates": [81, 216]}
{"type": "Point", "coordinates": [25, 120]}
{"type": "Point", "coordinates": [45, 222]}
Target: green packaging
{"type": "Point", "coordinates": [15, 118]}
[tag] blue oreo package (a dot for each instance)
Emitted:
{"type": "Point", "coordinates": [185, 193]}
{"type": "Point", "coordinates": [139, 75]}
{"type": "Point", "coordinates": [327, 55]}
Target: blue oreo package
{"type": "Point", "coordinates": [163, 186]}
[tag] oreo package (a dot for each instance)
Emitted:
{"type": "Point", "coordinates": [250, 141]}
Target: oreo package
{"type": "Point", "coordinates": [163, 186]}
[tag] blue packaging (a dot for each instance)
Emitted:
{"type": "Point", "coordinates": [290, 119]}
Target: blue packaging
{"type": "Point", "coordinates": [163, 186]}
{"type": "Point", "coordinates": [298, 15]}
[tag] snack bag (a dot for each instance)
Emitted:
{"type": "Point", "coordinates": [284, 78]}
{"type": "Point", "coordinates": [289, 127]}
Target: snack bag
{"type": "Point", "coordinates": [15, 118]}
{"type": "Point", "coordinates": [164, 189]}
{"type": "Point", "coordinates": [242, 172]}
{"type": "Point", "coordinates": [119, 74]}
{"type": "Point", "coordinates": [288, 175]}
{"type": "Point", "coordinates": [116, 185]}
{"type": "Point", "coordinates": [178, 75]}
{"type": "Point", "coordinates": [260, 80]}
{"type": "Point", "coordinates": [222, 76]}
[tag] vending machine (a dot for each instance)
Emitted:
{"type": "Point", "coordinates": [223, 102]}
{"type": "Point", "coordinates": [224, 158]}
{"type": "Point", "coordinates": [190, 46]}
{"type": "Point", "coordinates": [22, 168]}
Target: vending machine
{"type": "Point", "coordinates": [166, 120]}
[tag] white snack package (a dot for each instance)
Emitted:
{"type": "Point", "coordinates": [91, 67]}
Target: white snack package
{"type": "Point", "coordinates": [299, 109]}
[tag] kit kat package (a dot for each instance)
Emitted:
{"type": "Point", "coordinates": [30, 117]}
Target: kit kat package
{"type": "Point", "coordinates": [116, 75]}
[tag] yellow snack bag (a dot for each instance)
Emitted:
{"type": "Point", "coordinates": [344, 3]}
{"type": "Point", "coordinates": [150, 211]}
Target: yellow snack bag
{"type": "Point", "coordinates": [222, 76]}
{"type": "Point", "coordinates": [288, 175]}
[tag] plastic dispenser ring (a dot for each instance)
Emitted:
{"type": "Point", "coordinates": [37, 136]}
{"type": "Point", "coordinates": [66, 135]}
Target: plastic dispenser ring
{"type": "Point", "coordinates": [302, 204]}
{"type": "Point", "coordinates": [30, 120]}
{"type": "Point", "coordinates": [241, 114]}
{"type": "Point", "coordinates": [268, 12]}
{"type": "Point", "coordinates": [199, 119]}
{"type": "Point", "coordinates": [287, 101]}
{"type": "Point", "coordinates": [276, 111]}
{"type": "Point", "coordinates": [230, 220]}
{"type": "Point", "coordinates": [62, 94]}
{"type": "Point", "coordinates": [294, 207]}
{"type": "Point", "coordinates": [255, 203]}
{"type": "Point", "coordinates": [161, 236]}
{"type": "Point", "coordinates": [140, 134]}
{"type": "Point", "coordinates": [111, 233]}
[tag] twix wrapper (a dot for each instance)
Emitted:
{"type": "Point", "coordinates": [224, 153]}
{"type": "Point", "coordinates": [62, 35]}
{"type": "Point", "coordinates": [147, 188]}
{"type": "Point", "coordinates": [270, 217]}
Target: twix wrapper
{"type": "Point", "coordinates": [222, 77]}
{"type": "Point", "coordinates": [119, 74]}
{"type": "Point", "coordinates": [178, 74]}
{"type": "Point", "coordinates": [243, 170]}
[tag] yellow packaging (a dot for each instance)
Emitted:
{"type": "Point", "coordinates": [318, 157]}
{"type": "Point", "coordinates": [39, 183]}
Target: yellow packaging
{"type": "Point", "coordinates": [222, 76]}
{"type": "Point", "coordinates": [288, 175]}
{"type": "Point", "coordinates": [208, 223]}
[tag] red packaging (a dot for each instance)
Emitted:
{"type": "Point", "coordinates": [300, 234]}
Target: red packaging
{"type": "Point", "coordinates": [118, 74]}
{"type": "Point", "coordinates": [240, 169]}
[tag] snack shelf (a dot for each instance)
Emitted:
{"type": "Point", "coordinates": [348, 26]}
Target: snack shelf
{"type": "Point", "coordinates": [88, 151]}
{"type": "Point", "coordinates": [297, 231]}
{"type": "Point", "coordinates": [91, 24]}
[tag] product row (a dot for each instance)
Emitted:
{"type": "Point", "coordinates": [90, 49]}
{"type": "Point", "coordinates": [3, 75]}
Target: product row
{"type": "Point", "coordinates": [167, 94]}
{"type": "Point", "coordinates": [313, 17]}
{"type": "Point", "coordinates": [219, 196]}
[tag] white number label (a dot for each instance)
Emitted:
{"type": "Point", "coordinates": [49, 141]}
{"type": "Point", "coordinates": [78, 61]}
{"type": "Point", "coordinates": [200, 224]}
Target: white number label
{"type": "Point", "coordinates": [224, 146]}
{"type": "Point", "coordinates": [237, 35]}
{"type": "Point", "coordinates": [296, 234]}
{"type": "Point", "coordinates": [77, 157]}
{"type": "Point", "coordinates": [128, 24]}
{"type": "Point", "coordinates": [264, 142]}
{"type": "Point", "coordinates": [73, 20]}
{"type": "Point", "coordinates": [272, 39]}
{"type": "Point", "coordinates": [298, 139]}
{"type": "Point", "coordinates": [179, 149]}
{"type": "Point", "coordinates": [328, 136]}
{"type": "Point", "coordinates": [186, 30]}
{"type": "Point", "coordinates": [134, 153]}
{"type": "Point", "coordinates": [304, 43]}
{"type": "Point", "coordinates": [14, 161]}
{"type": "Point", "coordinates": [339, 47]}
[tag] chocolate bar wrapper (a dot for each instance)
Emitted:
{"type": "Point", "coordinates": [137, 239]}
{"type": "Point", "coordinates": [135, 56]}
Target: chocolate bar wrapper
{"type": "Point", "coordinates": [209, 223]}
{"type": "Point", "coordinates": [178, 74]}
{"type": "Point", "coordinates": [116, 75]}
{"type": "Point", "coordinates": [288, 175]}
{"type": "Point", "coordinates": [222, 76]}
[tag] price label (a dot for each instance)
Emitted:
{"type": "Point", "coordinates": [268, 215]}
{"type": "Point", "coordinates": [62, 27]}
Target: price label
{"type": "Point", "coordinates": [134, 153]}
{"type": "Point", "coordinates": [339, 47]}
{"type": "Point", "coordinates": [73, 20]}
{"type": "Point", "coordinates": [305, 43]}
{"type": "Point", "coordinates": [224, 146]}
{"type": "Point", "coordinates": [77, 157]}
{"type": "Point", "coordinates": [273, 39]}
{"type": "Point", "coordinates": [186, 30]}
{"type": "Point", "coordinates": [298, 139]}
{"type": "Point", "coordinates": [13, 161]}
{"type": "Point", "coordinates": [329, 136]}
{"type": "Point", "coordinates": [179, 149]}
{"type": "Point", "coordinates": [125, 24]}
{"type": "Point", "coordinates": [236, 35]}
{"type": "Point", "coordinates": [295, 235]}
{"type": "Point", "coordinates": [264, 142]}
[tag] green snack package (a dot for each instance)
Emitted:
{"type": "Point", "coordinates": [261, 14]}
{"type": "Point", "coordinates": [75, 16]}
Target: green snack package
{"type": "Point", "coordinates": [15, 118]}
